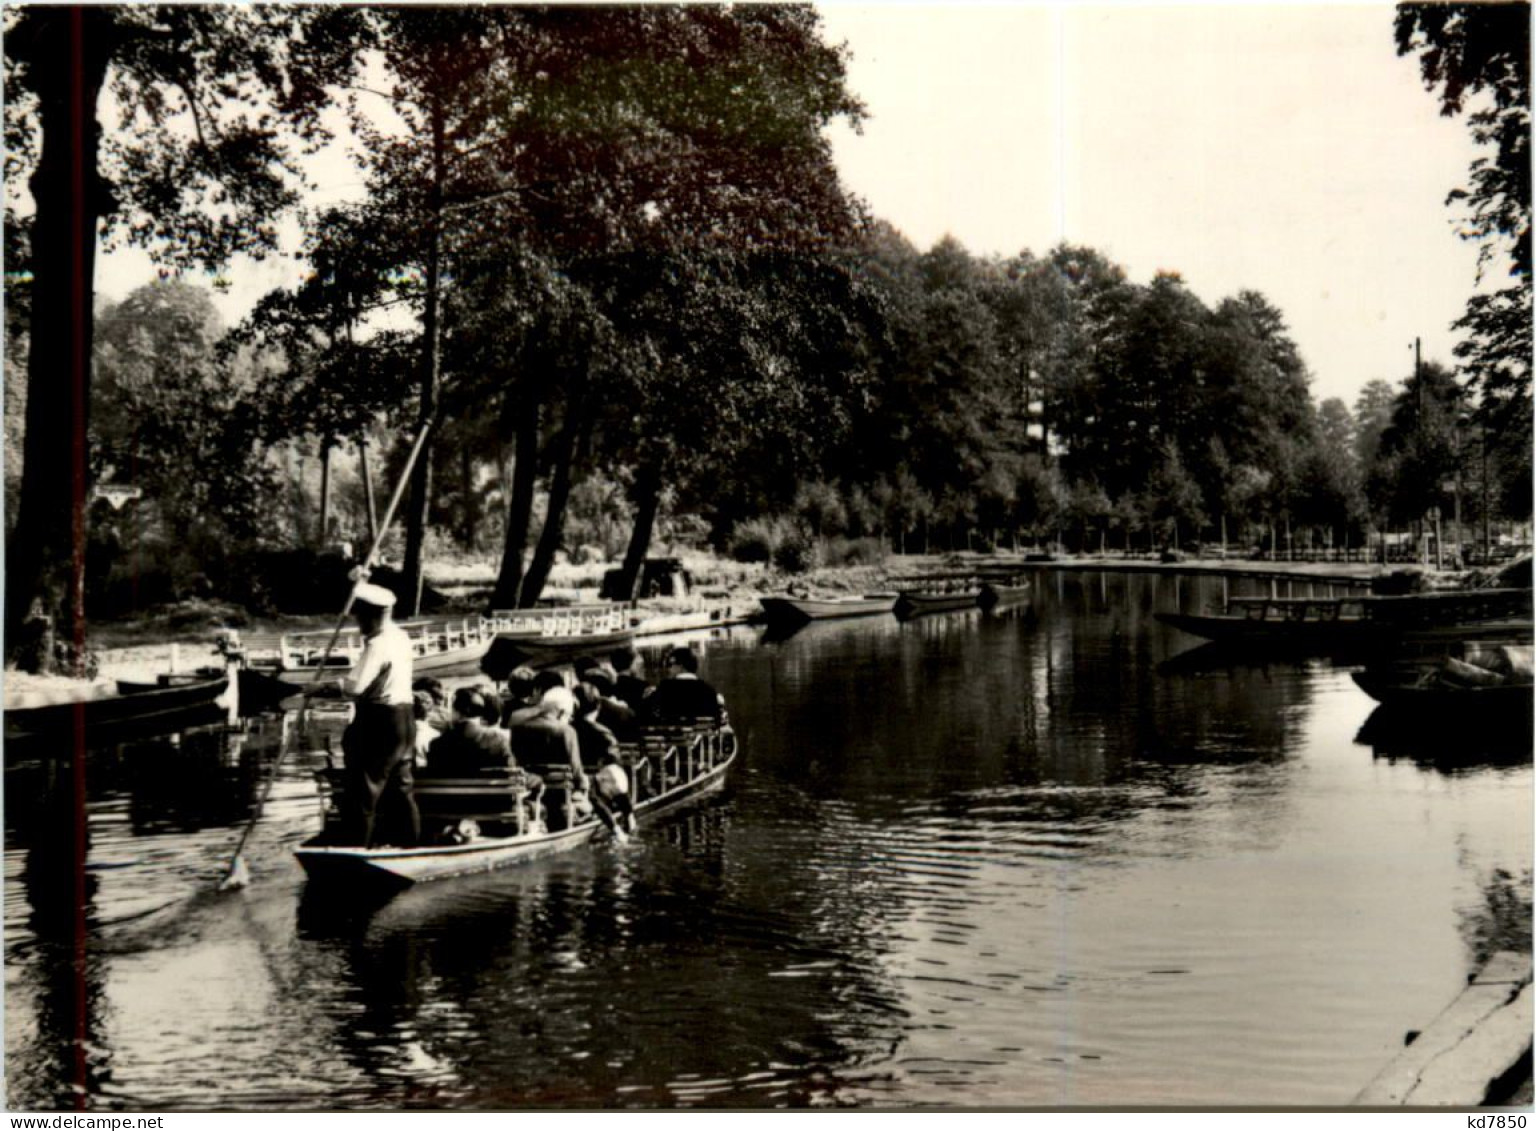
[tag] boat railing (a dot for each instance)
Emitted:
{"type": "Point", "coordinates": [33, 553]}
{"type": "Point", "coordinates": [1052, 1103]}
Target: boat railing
{"type": "Point", "coordinates": [575, 620]}
{"type": "Point", "coordinates": [936, 584]}
{"type": "Point", "coordinates": [669, 754]}
{"type": "Point", "coordinates": [1324, 609]}
{"type": "Point", "coordinates": [1450, 607]}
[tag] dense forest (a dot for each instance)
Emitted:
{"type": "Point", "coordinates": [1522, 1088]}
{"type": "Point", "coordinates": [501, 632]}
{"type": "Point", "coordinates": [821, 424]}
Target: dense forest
{"type": "Point", "coordinates": [604, 256]}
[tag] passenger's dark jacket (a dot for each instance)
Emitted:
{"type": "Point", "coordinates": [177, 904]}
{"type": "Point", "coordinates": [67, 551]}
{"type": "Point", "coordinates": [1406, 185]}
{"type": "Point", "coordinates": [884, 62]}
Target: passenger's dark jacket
{"type": "Point", "coordinates": [542, 743]}
{"type": "Point", "coordinates": [466, 748]}
{"type": "Point", "coordinates": [680, 699]}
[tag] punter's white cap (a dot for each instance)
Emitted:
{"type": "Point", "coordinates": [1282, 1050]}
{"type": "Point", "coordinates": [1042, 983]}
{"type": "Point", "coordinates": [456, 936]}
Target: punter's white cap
{"type": "Point", "coordinates": [367, 593]}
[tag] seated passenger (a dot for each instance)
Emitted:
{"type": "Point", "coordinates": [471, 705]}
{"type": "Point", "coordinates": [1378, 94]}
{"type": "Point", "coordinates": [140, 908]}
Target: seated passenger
{"type": "Point", "coordinates": [423, 708]}
{"type": "Point", "coordinates": [543, 682]}
{"type": "Point", "coordinates": [593, 738]}
{"type": "Point", "coordinates": [545, 742]}
{"type": "Point", "coordinates": [628, 686]}
{"type": "Point", "coordinates": [615, 714]}
{"type": "Point", "coordinates": [518, 694]}
{"type": "Point", "coordinates": [682, 696]}
{"type": "Point", "coordinates": [473, 743]}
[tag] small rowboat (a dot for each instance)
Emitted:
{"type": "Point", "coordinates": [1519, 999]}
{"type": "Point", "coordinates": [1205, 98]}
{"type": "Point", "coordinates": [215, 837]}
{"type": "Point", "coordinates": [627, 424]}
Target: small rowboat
{"type": "Point", "coordinates": [108, 707]}
{"type": "Point", "coordinates": [1464, 687]}
{"type": "Point", "coordinates": [915, 603]}
{"type": "Point", "coordinates": [670, 768]}
{"type": "Point", "coordinates": [996, 594]}
{"type": "Point", "coordinates": [785, 611]}
{"type": "Point", "coordinates": [1470, 704]}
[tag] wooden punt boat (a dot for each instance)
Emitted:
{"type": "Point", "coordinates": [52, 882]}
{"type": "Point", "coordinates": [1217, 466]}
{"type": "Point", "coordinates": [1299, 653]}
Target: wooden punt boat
{"type": "Point", "coordinates": [106, 707]}
{"type": "Point", "coordinates": [1463, 682]}
{"type": "Point", "coordinates": [670, 767]}
{"type": "Point", "coordinates": [915, 603]}
{"type": "Point", "coordinates": [1468, 704]}
{"type": "Point", "coordinates": [436, 645]}
{"type": "Point", "coordinates": [1363, 622]}
{"type": "Point", "coordinates": [540, 637]}
{"type": "Point", "coordinates": [996, 594]}
{"type": "Point", "coordinates": [787, 610]}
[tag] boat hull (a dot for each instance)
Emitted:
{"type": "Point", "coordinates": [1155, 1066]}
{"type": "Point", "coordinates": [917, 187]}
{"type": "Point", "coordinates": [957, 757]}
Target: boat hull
{"type": "Point", "coordinates": [996, 596]}
{"type": "Point", "coordinates": [798, 610]}
{"type": "Point", "coordinates": [909, 605]}
{"type": "Point", "coordinates": [446, 660]}
{"type": "Point", "coordinates": [1345, 634]}
{"type": "Point", "coordinates": [1466, 703]}
{"type": "Point", "coordinates": [511, 649]}
{"type": "Point", "coordinates": [401, 867]}
{"type": "Point", "coordinates": [137, 706]}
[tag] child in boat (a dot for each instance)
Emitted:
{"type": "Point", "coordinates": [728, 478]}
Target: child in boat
{"type": "Point", "coordinates": [610, 789]}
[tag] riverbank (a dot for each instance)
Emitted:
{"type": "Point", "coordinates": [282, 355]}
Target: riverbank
{"type": "Point", "coordinates": [183, 638]}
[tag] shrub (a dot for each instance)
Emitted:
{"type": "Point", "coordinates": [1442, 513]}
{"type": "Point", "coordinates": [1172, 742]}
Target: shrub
{"type": "Point", "coordinates": [757, 539]}
{"type": "Point", "coordinates": [795, 554]}
{"type": "Point", "coordinates": [853, 551]}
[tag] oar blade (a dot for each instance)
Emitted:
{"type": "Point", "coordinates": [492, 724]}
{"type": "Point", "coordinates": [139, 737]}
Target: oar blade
{"type": "Point", "coordinates": [239, 875]}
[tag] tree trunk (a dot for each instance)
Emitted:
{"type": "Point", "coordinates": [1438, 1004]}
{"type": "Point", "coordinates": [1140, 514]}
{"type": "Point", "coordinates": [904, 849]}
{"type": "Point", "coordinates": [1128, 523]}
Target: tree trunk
{"type": "Point", "coordinates": [362, 465]}
{"type": "Point", "coordinates": [323, 538]}
{"type": "Point", "coordinates": [572, 438]}
{"type": "Point", "coordinates": [467, 489]}
{"type": "Point", "coordinates": [67, 50]}
{"type": "Point", "coordinates": [647, 504]}
{"type": "Point", "coordinates": [421, 474]}
{"type": "Point", "coordinates": [525, 472]}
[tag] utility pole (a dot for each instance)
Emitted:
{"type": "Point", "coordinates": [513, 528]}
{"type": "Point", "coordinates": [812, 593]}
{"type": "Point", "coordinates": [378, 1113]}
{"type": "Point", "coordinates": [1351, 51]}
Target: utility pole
{"type": "Point", "coordinates": [1418, 431]}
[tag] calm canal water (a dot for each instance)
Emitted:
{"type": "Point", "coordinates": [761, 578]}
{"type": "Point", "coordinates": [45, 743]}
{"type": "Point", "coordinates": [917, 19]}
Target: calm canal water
{"type": "Point", "coordinates": [970, 860]}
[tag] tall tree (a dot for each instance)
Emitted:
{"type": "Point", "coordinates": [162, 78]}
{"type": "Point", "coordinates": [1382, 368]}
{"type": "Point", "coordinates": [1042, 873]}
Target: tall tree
{"type": "Point", "coordinates": [199, 167]}
{"type": "Point", "coordinates": [1476, 56]}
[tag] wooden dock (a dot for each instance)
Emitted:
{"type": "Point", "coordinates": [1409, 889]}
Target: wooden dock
{"type": "Point", "coordinates": [1471, 1052]}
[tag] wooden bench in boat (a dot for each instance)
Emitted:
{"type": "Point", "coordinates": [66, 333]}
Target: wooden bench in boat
{"type": "Point", "coordinates": [491, 797]}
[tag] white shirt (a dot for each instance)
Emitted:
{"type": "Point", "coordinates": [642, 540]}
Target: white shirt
{"type": "Point", "coordinates": [383, 672]}
{"type": "Point", "coordinates": [611, 781]}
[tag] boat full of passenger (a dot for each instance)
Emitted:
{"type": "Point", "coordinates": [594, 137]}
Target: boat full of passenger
{"type": "Point", "coordinates": [498, 820]}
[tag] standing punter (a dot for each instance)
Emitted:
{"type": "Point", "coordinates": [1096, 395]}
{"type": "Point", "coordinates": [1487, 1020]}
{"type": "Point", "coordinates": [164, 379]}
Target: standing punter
{"type": "Point", "coordinates": [378, 745]}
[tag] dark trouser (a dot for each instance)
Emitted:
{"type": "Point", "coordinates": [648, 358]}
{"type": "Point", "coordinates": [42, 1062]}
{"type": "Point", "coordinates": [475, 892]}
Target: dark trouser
{"type": "Point", "coordinates": [376, 756]}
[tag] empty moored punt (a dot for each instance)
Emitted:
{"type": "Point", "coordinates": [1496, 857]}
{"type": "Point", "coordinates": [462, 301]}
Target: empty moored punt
{"type": "Point", "coordinates": [105, 707]}
{"type": "Point", "coordinates": [996, 593]}
{"type": "Point", "coordinates": [670, 767]}
{"type": "Point", "coordinates": [936, 593]}
{"type": "Point", "coordinates": [551, 636]}
{"type": "Point", "coordinates": [1364, 622]}
{"type": "Point", "coordinates": [798, 610]}
{"type": "Point", "coordinates": [436, 644]}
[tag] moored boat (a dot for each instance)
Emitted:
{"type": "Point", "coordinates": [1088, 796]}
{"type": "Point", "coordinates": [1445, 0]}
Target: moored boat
{"type": "Point", "coordinates": [1364, 623]}
{"type": "Point", "coordinates": [539, 637]}
{"type": "Point", "coordinates": [438, 644]}
{"type": "Point", "coordinates": [789, 610]}
{"type": "Point", "coordinates": [671, 767]}
{"type": "Point", "coordinates": [1467, 681]}
{"type": "Point", "coordinates": [996, 593]}
{"type": "Point", "coordinates": [109, 706]}
{"type": "Point", "coordinates": [915, 603]}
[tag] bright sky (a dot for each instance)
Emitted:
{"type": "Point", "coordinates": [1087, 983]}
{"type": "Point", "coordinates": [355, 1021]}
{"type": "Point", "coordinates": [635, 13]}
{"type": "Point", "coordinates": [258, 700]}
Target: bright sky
{"type": "Point", "coordinates": [1283, 148]}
